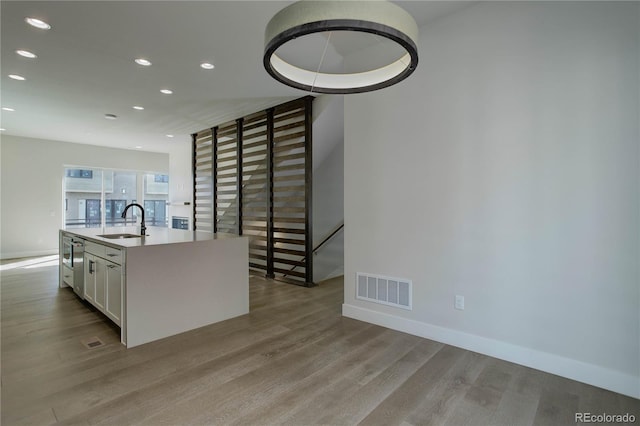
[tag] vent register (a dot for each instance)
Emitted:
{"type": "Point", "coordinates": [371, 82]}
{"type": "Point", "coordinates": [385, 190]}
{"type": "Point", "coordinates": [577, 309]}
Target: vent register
{"type": "Point", "coordinates": [384, 290]}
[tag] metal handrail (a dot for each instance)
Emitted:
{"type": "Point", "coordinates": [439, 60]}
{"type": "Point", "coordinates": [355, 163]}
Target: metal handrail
{"type": "Point", "coordinates": [88, 223]}
{"type": "Point", "coordinates": [323, 242]}
{"type": "Point", "coordinates": [328, 237]}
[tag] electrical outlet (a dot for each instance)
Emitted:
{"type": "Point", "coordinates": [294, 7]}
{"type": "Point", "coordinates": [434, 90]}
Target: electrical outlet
{"type": "Point", "coordinates": [459, 302]}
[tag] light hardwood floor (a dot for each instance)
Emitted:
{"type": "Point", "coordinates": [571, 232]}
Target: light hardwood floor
{"type": "Point", "coordinates": [292, 360]}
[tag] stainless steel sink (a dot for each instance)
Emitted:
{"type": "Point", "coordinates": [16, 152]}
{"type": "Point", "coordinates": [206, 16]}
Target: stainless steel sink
{"type": "Point", "coordinates": [119, 236]}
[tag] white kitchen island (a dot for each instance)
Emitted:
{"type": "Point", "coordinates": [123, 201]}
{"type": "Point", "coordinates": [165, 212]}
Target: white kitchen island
{"type": "Point", "coordinates": [173, 280]}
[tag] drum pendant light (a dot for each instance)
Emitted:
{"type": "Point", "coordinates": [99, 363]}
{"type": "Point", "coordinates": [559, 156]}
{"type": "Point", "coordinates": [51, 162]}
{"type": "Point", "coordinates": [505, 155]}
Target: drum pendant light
{"type": "Point", "coordinates": [383, 19]}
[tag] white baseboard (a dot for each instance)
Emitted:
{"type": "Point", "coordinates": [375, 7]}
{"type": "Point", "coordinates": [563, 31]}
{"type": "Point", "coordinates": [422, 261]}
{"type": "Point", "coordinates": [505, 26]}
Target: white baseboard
{"type": "Point", "coordinates": [20, 254]}
{"type": "Point", "coordinates": [566, 367]}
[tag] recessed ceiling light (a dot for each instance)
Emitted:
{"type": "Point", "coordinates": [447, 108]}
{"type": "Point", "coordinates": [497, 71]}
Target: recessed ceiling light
{"type": "Point", "coordinates": [17, 77]}
{"type": "Point", "coordinates": [8, 109]}
{"type": "Point", "coordinates": [110, 116]}
{"type": "Point", "coordinates": [138, 147]}
{"type": "Point", "coordinates": [138, 107]}
{"type": "Point", "coordinates": [207, 66]}
{"type": "Point", "coordinates": [169, 136]}
{"type": "Point", "coordinates": [26, 54]}
{"type": "Point", "coordinates": [2, 129]}
{"type": "Point", "coordinates": [37, 23]}
{"type": "Point", "coordinates": [143, 62]}
{"type": "Point", "coordinates": [166, 91]}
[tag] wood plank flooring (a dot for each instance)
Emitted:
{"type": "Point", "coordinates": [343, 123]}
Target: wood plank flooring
{"type": "Point", "coordinates": [293, 360]}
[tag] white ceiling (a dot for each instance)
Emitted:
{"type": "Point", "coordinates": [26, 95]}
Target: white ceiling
{"type": "Point", "coordinates": [85, 68]}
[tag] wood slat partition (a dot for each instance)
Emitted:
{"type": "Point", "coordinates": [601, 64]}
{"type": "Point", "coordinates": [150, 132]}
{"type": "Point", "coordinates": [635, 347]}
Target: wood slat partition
{"type": "Point", "coordinates": [255, 196]}
{"type": "Point", "coordinates": [203, 180]}
{"type": "Point", "coordinates": [226, 178]}
{"type": "Point", "coordinates": [291, 191]}
{"type": "Point", "coordinates": [253, 175]}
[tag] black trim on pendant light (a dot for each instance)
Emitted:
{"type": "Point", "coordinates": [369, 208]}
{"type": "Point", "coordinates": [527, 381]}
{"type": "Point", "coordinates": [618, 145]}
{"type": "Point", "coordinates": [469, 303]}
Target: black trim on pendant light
{"type": "Point", "coordinates": [288, 25]}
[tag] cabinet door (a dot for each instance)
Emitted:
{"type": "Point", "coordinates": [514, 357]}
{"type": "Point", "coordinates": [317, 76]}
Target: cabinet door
{"type": "Point", "coordinates": [114, 292]}
{"type": "Point", "coordinates": [89, 277]}
{"type": "Point", "coordinates": [100, 292]}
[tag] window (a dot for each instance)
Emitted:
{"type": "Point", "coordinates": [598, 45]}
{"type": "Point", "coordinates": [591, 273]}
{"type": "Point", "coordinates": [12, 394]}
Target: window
{"type": "Point", "coordinates": [113, 212]}
{"type": "Point", "coordinates": [79, 173]}
{"type": "Point", "coordinates": [97, 197]}
{"type": "Point", "coordinates": [155, 212]}
{"type": "Point", "coordinates": [156, 196]}
{"type": "Point", "coordinates": [123, 191]}
{"type": "Point", "coordinates": [93, 214]}
{"type": "Point", "coordinates": [83, 198]}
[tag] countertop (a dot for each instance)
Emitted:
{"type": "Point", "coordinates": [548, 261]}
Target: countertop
{"type": "Point", "coordinates": [155, 236]}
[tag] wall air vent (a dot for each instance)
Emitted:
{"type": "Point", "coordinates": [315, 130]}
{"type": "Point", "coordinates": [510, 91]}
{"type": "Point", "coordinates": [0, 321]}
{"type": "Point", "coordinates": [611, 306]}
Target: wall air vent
{"type": "Point", "coordinates": [384, 290]}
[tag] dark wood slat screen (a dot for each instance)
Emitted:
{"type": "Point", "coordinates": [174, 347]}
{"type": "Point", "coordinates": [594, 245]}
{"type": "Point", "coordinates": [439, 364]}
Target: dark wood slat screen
{"type": "Point", "coordinates": [203, 180]}
{"type": "Point", "coordinates": [226, 179]}
{"type": "Point", "coordinates": [290, 192]}
{"type": "Point", "coordinates": [255, 195]}
{"type": "Point", "coordinates": [253, 176]}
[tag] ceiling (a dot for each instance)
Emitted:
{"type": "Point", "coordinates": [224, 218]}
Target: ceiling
{"type": "Point", "coordinates": [85, 68]}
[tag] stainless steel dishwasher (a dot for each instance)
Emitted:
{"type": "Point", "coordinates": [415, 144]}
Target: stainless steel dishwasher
{"type": "Point", "coordinates": [73, 263]}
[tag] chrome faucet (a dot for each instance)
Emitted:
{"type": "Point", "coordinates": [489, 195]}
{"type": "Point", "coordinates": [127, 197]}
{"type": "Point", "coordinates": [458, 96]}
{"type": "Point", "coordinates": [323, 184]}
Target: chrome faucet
{"type": "Point", "coordinates": [143, 228]}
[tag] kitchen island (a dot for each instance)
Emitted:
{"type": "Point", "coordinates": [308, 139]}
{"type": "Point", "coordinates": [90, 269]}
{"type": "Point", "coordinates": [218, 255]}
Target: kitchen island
{"type": "Point", "coordinates": [167, 282]}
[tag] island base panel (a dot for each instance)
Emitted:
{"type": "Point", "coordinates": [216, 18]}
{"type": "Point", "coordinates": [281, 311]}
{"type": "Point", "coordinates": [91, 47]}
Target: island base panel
{"type": "Point", "coordinates": [179, 287]}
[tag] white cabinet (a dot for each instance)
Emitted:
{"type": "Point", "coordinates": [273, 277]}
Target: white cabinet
{"type": "Point", "coordinates": [99, 275]}
{"type": "Point", "coordinates": [113, 292]}
{"type": "Point", "coordinates": [104, 280]}
{"type": "Point", "coordinates": [90, 277]}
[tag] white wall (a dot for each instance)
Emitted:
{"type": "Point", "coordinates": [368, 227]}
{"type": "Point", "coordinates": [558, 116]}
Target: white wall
{"type": "Point", "coordinates": [328, 185]}
{"type": "Point", "coordinates": [181, 182]}
{"type": "Point", "coordinates": [506, 170]}
{"type": "Point", "coordinates": [31, 187]}
{"type": "Point", "coordinates": [328, 212]}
